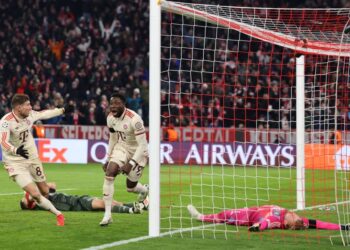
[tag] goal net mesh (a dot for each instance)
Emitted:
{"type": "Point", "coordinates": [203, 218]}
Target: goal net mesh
{"type": "Point", "coordinates": [228, 89]}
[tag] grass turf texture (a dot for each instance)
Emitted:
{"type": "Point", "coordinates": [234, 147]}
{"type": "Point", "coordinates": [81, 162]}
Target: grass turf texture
{"type": "Point", "coordinates": [37, 229]}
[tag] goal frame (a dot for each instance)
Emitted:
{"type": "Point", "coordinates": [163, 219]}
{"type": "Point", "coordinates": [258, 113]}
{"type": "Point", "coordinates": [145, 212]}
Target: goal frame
{"type": "Point", "coordinates": [155, 130]}
{"type": "Point", "coordinates": [154, 119]}
{"type": "Point", "coordinates": [154, 124]}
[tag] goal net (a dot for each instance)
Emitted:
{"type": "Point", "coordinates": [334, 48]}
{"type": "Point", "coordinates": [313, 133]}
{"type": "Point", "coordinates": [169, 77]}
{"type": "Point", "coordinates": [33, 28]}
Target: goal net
{"type": "Point", "coordinates": [259, 101]}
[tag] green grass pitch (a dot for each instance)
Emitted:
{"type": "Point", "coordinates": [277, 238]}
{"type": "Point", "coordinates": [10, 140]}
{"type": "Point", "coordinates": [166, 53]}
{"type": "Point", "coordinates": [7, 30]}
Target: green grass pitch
{"type": "Point", "coordinates": [37, 229]}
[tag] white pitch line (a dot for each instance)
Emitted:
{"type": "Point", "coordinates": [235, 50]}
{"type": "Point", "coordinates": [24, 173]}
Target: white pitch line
{"type": "Point", "coordinates": [124, 242]}
{"type": "Point", "coordinates": [7, 194]}
{"type": "Point", "coordinates": [118, 243]}
{"type": "Point", "coordinates": [320, 206]}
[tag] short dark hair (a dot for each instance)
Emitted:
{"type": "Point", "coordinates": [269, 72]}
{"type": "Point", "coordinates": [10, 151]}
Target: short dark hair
{"type": "Point", "coordinates": [19, 99]}
{"type": "Point", "coordinates": [22, 205]}
{"type": "Point", "coordinates": [117, 95]}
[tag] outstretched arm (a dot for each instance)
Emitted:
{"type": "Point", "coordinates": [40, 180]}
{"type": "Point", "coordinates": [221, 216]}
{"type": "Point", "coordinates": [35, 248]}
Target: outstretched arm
{"type": "Point", "coordinates": [317, 224]}
{"type": "Point", "coordinates": [46, 114]}
{"type": "Point", "coordinates": [270, 222]}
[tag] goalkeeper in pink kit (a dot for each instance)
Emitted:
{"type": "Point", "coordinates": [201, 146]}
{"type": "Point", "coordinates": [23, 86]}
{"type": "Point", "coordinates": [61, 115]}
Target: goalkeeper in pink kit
{"type": "Point", "coordinates": [264, 217]}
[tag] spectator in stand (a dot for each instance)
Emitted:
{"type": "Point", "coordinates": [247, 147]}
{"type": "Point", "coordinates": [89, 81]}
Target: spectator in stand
{"type": "Point", "coordinates": [135, 102]}
{"type": "Point", "coordinates": [106, 32]}
{"type": "Point", "coordinates": [101, 111]}
{"type": "Point", "coordinates": [38, 130]}
{"type": "Point", "coordinates": [170, 133]}
{"type": "Point", "coordinates": [335, 137]}
{"type": "Point", "coordinates": [56, 48]}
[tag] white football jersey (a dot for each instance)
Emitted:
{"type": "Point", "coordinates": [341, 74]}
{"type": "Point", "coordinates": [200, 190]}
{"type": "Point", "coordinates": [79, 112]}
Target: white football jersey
{"type": "Point", "coordinates": [126, 128]}
{"type": "Point", "coordinates": [15, 132]}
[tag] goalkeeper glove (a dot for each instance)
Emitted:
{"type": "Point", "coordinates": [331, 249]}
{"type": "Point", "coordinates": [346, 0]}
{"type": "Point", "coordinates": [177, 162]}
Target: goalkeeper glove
{"type": "Point", "coordinates": [22, 152]}
{"type": "Point", "coordinates": [254, 228]}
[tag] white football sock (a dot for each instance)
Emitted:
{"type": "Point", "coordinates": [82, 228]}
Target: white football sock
{"type": "Point", "coordinates": [47, 205]}
{"type": "Point", "coordinates": [108, 192]}
{"type": "Point", "coordinates": [140, 188]}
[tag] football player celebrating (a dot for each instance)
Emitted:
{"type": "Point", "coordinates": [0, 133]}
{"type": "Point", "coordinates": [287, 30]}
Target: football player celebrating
{"type": "Point", "coordinates": [20, 155]}
{"type": "Point", "coordinates": [127, 153]}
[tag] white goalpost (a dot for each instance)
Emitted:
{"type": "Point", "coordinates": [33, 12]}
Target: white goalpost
{"type": "Point", "coordinates": [259, 101]}
{"type": "Point", "coordinates": [154, 120]}
{"type": "Point", "coordinates": [300, 132]}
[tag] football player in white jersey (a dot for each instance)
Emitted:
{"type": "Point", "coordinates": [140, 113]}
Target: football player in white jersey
{"type": "Point", "coordinates": [20, 155]}
{"type": "Point", "coordinates": [127, 152]}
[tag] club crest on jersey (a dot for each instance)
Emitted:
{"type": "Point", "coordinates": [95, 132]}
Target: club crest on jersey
{"type": "Point", "coordinates": [10, 170]}
{"type": "Point", "coordinates": [276, 212]}
{"type": "Point", "coordinates": [125, 126]}
{"type": "Point", "coordinates": [138, 125]}
{"type": "Point", "coordinates": [5, 125]}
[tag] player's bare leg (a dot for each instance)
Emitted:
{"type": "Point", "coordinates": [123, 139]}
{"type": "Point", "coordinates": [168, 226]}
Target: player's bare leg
{"type": "Point", "coordinates": [132, 183]}
{"type": "Point", "coordinates": [98, 204]}
{"type": "Point", "coordinates": [137, 187]}
{"type": "Point", "coordinates": [34, 192]}
{"type": "Point", "coordinates": [108, 191]}
{"type": "Point", "coordinates": [43, 188]}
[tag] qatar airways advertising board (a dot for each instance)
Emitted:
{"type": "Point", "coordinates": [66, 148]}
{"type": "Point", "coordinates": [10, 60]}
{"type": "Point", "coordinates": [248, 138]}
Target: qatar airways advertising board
{"type": "Point", "coordinates": [212, 154]}
{"type": "Point", "coordinates": [317, 156]}
{"type": "Point", "coordinates": [228, 154]}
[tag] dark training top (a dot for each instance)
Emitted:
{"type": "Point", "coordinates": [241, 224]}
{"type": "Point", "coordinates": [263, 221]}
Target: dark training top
{"type": "Point", "coordinates": [65, 202]}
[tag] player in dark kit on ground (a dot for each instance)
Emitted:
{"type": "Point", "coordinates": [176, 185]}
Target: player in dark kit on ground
{"type": "Point", "coordinates": [65, 202]}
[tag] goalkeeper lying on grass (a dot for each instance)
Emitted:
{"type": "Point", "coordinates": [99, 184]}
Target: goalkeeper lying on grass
{"type": "Point", "coordinates": [66, 202]}
{"type": "Point", "coordinates": [264, 217]}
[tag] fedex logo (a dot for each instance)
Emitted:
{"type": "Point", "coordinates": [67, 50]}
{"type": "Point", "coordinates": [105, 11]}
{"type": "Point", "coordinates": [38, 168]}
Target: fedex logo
{"type": "Point", "coordinates": [62, 150]}
{"type": "Point", "coordinates": [47, 153]}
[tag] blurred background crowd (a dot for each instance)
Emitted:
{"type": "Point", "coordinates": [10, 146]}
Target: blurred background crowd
{"type": "Point", "coordinates": [217, 77]}
{"type": "Point", "coordinates": [75, 53]}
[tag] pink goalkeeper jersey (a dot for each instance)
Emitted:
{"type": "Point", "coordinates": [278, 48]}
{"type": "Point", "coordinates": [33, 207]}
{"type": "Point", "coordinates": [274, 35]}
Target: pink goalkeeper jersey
{"type": "Point", "coordinates": [269, 217]}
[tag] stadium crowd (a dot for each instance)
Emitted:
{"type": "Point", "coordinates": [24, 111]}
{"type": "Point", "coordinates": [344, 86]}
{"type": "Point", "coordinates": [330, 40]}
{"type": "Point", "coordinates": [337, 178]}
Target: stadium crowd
{"type": "Point", "coordinates": [76, 53]}
{"type": "Point", "coordinates": [231, 80]}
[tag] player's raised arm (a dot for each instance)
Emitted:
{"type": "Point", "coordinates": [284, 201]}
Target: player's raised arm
{"type": "Point", "coordinates": [46, 114]}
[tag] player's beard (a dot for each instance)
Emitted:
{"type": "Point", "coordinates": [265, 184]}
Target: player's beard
{"type": "Point", "coordinates": [119, 112]}
{"type": "Point", "coordinates": [24, 114]}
